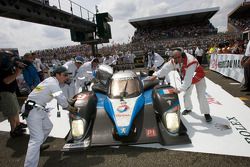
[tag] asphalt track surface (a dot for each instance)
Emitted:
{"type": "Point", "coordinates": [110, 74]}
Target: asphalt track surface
{"type": "Point", "coordinates": [12, 151]}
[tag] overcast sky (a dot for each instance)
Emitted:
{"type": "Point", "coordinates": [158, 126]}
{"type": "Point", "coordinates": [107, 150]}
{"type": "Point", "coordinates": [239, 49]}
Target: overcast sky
{"type": "Point", "coordinates": [29, 36]}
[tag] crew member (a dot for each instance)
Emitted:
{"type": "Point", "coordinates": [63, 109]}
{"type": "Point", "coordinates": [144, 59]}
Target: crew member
{"type": "Point", "coordinates": [72, 66]}
{"type": "Point", "coordinates": [191, 74]}
{"type": "Point", "coordinates": [86, 73]}
{"type": "Point", "coordinates": [36, 116]}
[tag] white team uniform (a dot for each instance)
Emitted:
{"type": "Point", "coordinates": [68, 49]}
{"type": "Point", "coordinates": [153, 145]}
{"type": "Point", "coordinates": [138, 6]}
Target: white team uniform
{"type": "Point", "coordinates": [187, 85]}
{"type": "Point", "coordinates": [38, 121]}
{"type": "Point", "coordinates": [85, 73]}
{"type": "Point", "coordinates": [70, 90]}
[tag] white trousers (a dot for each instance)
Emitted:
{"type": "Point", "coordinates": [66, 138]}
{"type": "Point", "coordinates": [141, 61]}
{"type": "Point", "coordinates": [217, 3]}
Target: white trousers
{"type": "Point", "coordinates": [201, 95]}
{"type": "Point", "coordinates": [39, 126]}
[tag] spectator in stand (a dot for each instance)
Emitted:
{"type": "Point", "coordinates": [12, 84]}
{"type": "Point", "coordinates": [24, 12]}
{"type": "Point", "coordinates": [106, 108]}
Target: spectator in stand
{"type": "Point", "coordinates": [199, 54]}
{"type": "Point", "coordinates": [45, 68]}
{"type": "Point", "coordinates": [245, 62]}
{"type": "Point", "coordinates": [30, 73]}
{"type": "Point", "coordinates": [145, 58]}
{"type": "Point", "coordinates": [39, 66]}
{"type": "Point", "coordinates": [9, 71]}
{"type": "Point", "coordinates": [55, 61]}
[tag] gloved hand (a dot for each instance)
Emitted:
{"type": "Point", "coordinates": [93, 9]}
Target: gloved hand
{"type": "Point", "coordinates": [71, 109]}
{"type": "Point", "coordinates": [94, 80]}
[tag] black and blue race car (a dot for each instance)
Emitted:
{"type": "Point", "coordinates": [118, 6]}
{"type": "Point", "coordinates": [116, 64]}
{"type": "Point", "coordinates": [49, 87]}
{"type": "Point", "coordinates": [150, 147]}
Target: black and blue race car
{"type": "Point", "coordinates": [124, 109]}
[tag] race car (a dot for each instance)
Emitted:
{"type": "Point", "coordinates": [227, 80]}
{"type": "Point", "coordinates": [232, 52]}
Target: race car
{"type": "Point", "coordinates": [125, 110]}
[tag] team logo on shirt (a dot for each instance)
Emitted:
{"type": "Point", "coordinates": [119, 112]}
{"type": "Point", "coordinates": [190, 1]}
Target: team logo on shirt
{"type": "Point", "coordinates": [39, 88]}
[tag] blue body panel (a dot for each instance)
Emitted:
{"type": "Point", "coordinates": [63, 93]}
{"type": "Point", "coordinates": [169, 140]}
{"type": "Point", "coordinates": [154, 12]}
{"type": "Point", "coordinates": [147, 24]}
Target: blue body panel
{"type": "Point", "coordinates": [148, 96]}
{"type": "Point", "coordinates": [124, 130]}
{"type": "Point", "coordinates": [100, 99]}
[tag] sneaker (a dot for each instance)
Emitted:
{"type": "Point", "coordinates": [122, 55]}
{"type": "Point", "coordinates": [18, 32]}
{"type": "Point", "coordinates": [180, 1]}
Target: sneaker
{"type": "Point", "coordinates": [17, 132]}
{"type": "Point", "coordinates": [185, 112]}
{"type": "Point", "coordinates": [22, 125]}
{"type": "Point", "coordinates": [44, 147]}
{"type": "Point", "coordinates": [208, 117]}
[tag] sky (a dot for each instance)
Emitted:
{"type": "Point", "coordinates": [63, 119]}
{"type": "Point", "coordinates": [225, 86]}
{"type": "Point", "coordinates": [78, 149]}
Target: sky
{"type": "Point", "coordinates": [30, 36]}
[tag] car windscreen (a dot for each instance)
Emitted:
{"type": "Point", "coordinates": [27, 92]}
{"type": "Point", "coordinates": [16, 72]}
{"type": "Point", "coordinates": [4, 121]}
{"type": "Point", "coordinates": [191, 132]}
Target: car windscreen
{"type": "Point", "coordinates": [126, 88]}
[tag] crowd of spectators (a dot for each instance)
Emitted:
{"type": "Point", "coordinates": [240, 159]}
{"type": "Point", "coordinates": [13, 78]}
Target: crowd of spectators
{"type": "Point", "coordinates": [63, 53]}
{"type": "Point", "coordinates": [165, 32]}
{"type": "Point", "coordinates": [241, 23]}
{"type": "Point", "coordinates": [224, 42]}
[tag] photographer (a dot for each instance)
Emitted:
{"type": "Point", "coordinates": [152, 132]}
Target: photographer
{"type": "Point", "coordinates": [9, 70]}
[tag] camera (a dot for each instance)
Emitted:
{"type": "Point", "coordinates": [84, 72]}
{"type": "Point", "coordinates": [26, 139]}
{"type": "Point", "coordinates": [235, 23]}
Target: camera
{"type": "Point", "coordinates": [18, 63]}
{"type": "Point", "coordinates": [9, 61]}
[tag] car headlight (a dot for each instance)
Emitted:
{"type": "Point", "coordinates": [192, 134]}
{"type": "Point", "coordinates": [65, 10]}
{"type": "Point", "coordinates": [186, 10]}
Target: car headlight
{"type": "Point", "coordinates": [171, 122]}
{"type": "Point", "coordinates": [77, 128]}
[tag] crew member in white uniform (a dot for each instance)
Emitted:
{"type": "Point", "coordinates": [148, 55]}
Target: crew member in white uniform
{"type": "Point", "coordinates": [154, 60]}
{"type": "Point", "coordinates": [38, 121]}
{"type": "Point", "coordinates": [69, 89]}
{"type": "Point", "coordinates": [191, 74]}
{"type": "Point", "coordinates": [86, 73]}
{"type": "Point", "coordinates": [158, 60]}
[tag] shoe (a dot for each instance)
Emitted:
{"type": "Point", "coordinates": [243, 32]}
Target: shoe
{"type": "Point", "coordinates": [208, 117]}
{"type": "Point", "coordinates": [44, 147]}
{"type": "Point", "coordinates": [22, 125]}
{"type": "Point", "coordinates": [17, 132]}
{"type": "Point", "coordinates": [185, 112]}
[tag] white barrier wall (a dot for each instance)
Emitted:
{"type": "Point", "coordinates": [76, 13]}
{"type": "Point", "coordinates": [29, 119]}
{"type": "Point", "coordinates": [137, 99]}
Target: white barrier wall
{"type": "Point", "coordinates": [228, 65]}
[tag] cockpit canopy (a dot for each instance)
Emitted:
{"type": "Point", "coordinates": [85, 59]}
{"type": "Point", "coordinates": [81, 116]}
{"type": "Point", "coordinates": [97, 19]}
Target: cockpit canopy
{"type": "Point", "coordinates": [125, 84]}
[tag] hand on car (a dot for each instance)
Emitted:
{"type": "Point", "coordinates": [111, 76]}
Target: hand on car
{"type": "Point", "coordinates": [177, 91]}
{"type": "Point", "coordinates": [72, 109]}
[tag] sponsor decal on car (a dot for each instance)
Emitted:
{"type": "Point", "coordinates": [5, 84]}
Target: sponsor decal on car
{"type": "Point", "coordinates": [151, 132]}
{"type": "Point", "coordinates": [122, 108]}
{"type": "Point", "coordinates": [168, 91]}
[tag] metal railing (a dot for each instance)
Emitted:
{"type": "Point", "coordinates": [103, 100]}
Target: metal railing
{"type": "Point", "coordinates": [71, 7]}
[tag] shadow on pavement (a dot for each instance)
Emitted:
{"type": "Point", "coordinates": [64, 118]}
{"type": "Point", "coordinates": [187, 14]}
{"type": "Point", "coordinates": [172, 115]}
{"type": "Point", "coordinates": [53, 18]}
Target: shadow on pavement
{"type": "Point", "coordinates": [218, 127]}
{"type": "Point", "coordinates": [93, 156]}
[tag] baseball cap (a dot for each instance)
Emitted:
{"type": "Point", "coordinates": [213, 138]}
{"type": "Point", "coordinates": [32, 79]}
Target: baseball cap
{"type": "Point", "coordinates": [61, 69]}
{"type": "Point", "coordinates": [79, 59]}
{"type": "Point", "coordinates": [178, 49]}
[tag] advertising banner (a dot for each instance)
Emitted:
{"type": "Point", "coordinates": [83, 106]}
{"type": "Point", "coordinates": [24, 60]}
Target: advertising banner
{"type": "Point", "coordinates": [227, 65]}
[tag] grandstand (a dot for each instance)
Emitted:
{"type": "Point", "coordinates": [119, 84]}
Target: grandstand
{"type": "Point", "coordinates": [172, 30]}
{"type": "Point", "coordinates": [239, 19]}
{"type": "Point", "coordinates": [175, 25]}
